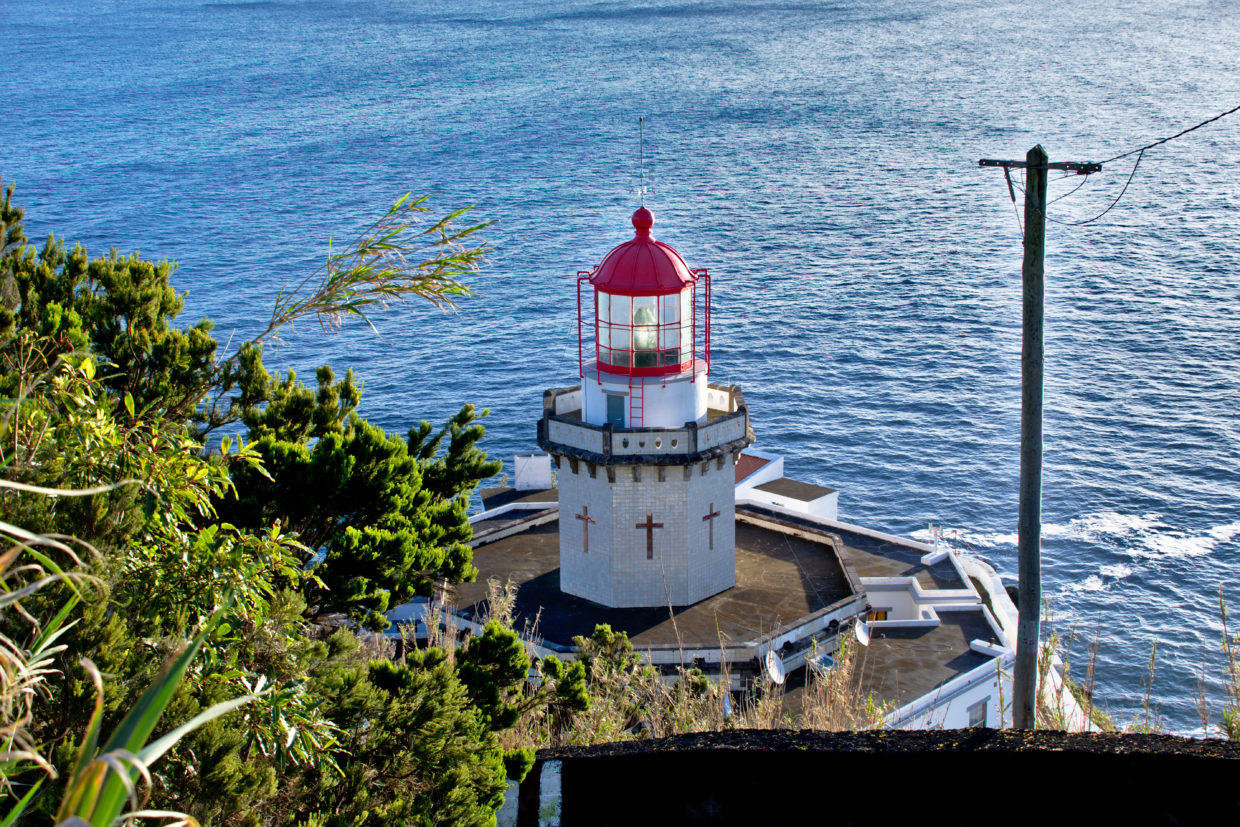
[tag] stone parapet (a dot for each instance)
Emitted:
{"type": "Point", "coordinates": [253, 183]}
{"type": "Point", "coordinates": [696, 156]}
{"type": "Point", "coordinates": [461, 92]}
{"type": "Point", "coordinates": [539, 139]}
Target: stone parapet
{"type": "Point", "coordinates": [563, 435]}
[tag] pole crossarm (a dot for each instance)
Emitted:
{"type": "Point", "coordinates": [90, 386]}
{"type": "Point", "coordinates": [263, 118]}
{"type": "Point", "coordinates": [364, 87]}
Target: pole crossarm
{"type": "Point", "coordinates": [1079, 167]}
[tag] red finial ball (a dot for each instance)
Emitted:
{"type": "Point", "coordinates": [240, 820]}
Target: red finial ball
{"type": "Point", "coordinates": [643, 220]}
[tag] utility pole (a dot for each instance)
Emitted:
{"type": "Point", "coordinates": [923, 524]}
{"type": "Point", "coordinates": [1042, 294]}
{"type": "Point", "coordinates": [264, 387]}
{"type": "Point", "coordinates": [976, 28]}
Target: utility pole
{"type": "Point", "coordinates": [1029, 520]}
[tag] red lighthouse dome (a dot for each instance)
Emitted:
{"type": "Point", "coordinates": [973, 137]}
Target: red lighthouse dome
{"type": "Point", "coordinates": [645, 308]}
{"type": "Point", "coordinates": [643, 266]}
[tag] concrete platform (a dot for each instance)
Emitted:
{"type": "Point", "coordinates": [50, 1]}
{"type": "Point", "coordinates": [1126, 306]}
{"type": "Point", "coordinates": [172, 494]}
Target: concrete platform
{"type": "Point", "coordinates": [871, 556]}
{"type": "Point", "coordinates": [902, 664]}
{"type": "Point", "coordinates": [780, 580]}
{"type": "Point", "coordinates": [493, 498]}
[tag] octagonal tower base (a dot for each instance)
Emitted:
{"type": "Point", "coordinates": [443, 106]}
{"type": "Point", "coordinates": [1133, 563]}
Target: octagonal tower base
{"type": "Point", "coordinates": [647, 515]}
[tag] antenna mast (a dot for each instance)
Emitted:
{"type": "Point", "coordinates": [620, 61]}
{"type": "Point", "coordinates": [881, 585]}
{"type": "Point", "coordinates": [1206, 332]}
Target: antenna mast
{"type": "Point", "coordinates": [641, 143]}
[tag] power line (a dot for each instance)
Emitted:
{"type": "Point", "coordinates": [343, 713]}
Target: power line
{"type": "Point", "coordinates": [1140, 155]}
{"type": "Point", "coordinates": [1231, 111]}
{"type": "Point", "coordinates": [1087, 169]}
{"type": "Point", "coordinates": [1084, 181]}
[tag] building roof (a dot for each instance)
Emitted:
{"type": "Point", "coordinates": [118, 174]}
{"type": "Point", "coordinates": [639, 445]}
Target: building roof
{"type": "Point", "coordinates": [643, 266]}
{"type": "Point", "coordinates": [493, 498]}
{"type": "Point", "coordinates": [780, 580]}
{"type": "Point", "coordinates": [748, 464]}
{"type": "Point", "coordinates": [872, 556]}
{"type": "Point", "coordinates": [902, 664]}
{"type": "Point", "coordinates": [802, 491]}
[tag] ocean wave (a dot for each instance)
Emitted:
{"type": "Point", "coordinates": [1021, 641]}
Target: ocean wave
{"type": "Point", "coordinates": [1145, 536]}
{"type": "Point", "coordinates": [1093, 583]}
{"type": "Point", "coordinates": [1107, 576]}
{"type": "Point", "coordinates": [1119, 571]}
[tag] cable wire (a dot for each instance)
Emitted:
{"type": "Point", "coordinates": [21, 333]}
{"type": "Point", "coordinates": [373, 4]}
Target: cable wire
{"type": "Point", "coordinates": [1140, 155]}
{"type": "Point", "coordinates": [1233, 110]}
{"type": "Point", "coordinates": [1139, 152]}
{"type": "Point", "coordinates": [1084, 181]}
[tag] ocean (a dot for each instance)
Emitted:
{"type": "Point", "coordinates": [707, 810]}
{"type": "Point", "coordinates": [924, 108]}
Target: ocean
{"type": "Point", "coordinates": [819, 158]}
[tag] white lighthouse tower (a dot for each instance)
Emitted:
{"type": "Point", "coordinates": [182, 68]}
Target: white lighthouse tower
{"type": "Point", "coordinates": [646, 446]}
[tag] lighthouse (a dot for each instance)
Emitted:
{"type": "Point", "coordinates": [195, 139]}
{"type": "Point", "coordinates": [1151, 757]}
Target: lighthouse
{"type": "Point", "coordinates": [646, 445]}
{"type": "Point", "coordinates": [663, 525]}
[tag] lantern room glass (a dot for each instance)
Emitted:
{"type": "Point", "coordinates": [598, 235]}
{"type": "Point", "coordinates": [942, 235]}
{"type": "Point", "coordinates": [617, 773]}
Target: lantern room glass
{"type": "Point", "coordinates": [645, 332]}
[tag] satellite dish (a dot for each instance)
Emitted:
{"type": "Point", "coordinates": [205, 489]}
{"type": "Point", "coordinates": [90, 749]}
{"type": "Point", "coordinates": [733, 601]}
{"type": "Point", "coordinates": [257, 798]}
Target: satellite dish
{"type": "Point", "coordinates": [863, 633]}
{"type": "Point", "coordinates": [822, 663]}
{"type": "Point", "coordinates": [775, 667]}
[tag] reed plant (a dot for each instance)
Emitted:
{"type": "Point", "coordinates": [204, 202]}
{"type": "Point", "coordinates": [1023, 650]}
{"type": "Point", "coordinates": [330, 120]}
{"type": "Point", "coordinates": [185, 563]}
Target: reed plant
{"type": "Point", "coordinates": [105, 777]}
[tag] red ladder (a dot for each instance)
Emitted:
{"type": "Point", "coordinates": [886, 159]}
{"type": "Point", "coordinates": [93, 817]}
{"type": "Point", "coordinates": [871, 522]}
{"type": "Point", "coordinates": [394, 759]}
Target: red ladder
{"type": "Point", "coordinates": [637, 401]}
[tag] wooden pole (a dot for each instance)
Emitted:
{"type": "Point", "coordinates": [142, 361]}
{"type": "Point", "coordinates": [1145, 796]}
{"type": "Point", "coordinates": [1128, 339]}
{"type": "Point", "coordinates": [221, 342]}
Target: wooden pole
{"type": "Point", "coordinates": [1029, 521]}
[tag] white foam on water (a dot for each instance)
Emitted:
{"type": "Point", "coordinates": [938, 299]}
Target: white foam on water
{"type": "Point", "coordinates": [967, 538]}
{"type": "Point", "coordinates": [1093, 583]}
{"type": "Point", "coordinates": [1223, 533]}
{"type": "Point", "coordinates": [1146, 536]}
{"type": "Point", "coordinates": [1119, 571]}
{"type": "Point", "coordinates": [1104, 524]}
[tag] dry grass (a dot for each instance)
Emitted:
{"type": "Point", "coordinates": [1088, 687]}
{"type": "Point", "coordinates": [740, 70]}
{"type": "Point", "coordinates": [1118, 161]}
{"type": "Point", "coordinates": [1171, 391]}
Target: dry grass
{"type": "Point", "coordinates": [632, 701]}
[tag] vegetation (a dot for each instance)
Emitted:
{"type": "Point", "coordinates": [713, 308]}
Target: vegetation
{"type": "Point", "coordinates": [179, 538]}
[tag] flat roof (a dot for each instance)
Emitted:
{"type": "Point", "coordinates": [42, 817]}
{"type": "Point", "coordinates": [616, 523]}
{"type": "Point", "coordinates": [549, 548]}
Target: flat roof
{"type": "Point", "coordinates": [779, 580]}
{"type": "Point", "coordinates": [872, 556]}
{"type": "Point", "coordinates": [495, 497]}
{"type": "Point", "coordinates": [803, 491]}
{"type": "Point", "coordinates": [903, 664]}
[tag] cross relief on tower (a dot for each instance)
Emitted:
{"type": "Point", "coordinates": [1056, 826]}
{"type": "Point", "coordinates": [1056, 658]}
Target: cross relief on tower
{"type": "Point", "coordinates": [650, 525]}
{"type": "Point", "coordinates": [710, 519]}
{"type": "Point", "coordinates": [586, 519]}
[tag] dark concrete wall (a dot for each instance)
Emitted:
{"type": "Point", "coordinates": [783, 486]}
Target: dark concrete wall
{"type": "Point", "coordinates": [912, 778]}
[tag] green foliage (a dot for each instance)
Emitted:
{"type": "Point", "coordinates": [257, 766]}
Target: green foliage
{"type": "Point", "coordinates": [493, 667]}
{"type": "Point", "coordinates": [389, 515]}
{"type": "Point", "coordinates": [118, 307]}
{"type": "Point", "coordinates": [105, 778]}
{"type": "Point", "coordinates": [415, 750]}
{"type": "Point", "coordinates": [105, 393]}
{"type": "Point", "coordinates": [457, 471]}
{"type": "Point", "coordinates": [1230, 724]}
{"type": "Point", "coordinates": [518, 763]}
{"type": "Point", "coordinates": [292, 412]}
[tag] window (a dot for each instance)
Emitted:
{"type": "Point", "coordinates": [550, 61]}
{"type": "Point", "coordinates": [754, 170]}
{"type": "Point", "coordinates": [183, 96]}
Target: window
{"type": "Point", "coordinates": [877, 614]}
{"type": "Point", "coordinates": [977, 712]}
{"type": "Point", "coordinates": [650, 332]}
{"type": "Point", "coordinates": [645, 332]}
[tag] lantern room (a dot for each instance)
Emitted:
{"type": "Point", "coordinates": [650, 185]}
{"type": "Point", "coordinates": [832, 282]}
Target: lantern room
{"type": "Point", "coordinates": [645, 308]}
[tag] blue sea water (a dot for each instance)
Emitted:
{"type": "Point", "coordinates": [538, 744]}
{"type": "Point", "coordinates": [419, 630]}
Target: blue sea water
{"type": "Point", "coordinates": [820, 158]}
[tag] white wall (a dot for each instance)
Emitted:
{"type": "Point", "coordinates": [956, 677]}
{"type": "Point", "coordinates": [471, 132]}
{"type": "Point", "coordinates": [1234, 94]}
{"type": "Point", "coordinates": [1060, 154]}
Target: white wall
{"type": "Point", "coordinates": [668, 402]}
{"type": "Point", "coordinates": [532, 472]}
{"type": "Point", "coordinates": [615, 571]}
{"type": "Point", "coordinates": [948, 706]}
